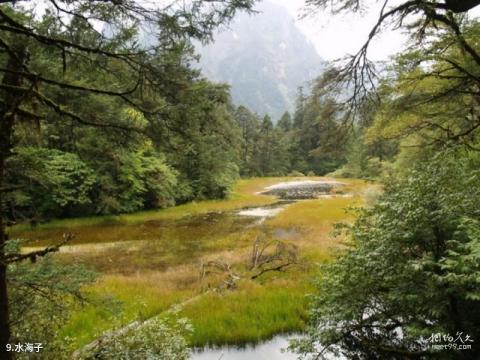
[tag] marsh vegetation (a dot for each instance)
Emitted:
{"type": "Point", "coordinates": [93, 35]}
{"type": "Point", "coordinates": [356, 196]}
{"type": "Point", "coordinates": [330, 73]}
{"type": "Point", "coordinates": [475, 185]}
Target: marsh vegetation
{"type": "Point", "coordinates": [143, 213]}
{"type": "Point", "coordinates": [151, 261]}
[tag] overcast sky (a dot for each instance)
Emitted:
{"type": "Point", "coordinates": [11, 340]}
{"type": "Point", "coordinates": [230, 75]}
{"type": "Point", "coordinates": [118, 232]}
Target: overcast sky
{"type": "Point", "coordinates": [335, 36]}
{"type": "Point", "coordinates": [339, 35]}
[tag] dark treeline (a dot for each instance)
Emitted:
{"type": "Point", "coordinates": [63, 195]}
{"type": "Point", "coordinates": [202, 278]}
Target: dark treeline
{"type": "Point", "coordinates": [65, 169]}
{"type": "Point", "coordinates": [308, 143]}
{"type": "Point", "coordinates": [206, 144]}
{"type": "Point", "coordinates": [159, 137]}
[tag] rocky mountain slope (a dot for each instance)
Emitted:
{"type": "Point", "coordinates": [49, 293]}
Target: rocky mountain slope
{"type": "Point", "coordinates": [264, 57]}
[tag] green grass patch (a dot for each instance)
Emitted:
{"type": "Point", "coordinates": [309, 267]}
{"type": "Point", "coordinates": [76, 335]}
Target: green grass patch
{"type": "Point", "coordinates": [115, 302]}
{"type": "Point", "coordinates": [250, 314]}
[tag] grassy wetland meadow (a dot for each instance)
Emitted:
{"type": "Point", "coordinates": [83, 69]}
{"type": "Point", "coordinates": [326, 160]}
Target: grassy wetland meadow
{"type": "Point", "coordinates": [150, 261]}
{"type": "Point", "coordinates": [223, 179]}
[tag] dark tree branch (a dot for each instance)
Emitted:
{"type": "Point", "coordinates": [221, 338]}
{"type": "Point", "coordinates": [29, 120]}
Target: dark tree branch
{"type": "Point", "coordinates": [36, 78]}
{"type": "Point", "coordinates": [64, 112]}
{"type": "Point", "coordinates": [32, 256]}
{"type": "Point", "coordinates": [279, 267]}
{"type": "Point", "coordinates": [358, 74]}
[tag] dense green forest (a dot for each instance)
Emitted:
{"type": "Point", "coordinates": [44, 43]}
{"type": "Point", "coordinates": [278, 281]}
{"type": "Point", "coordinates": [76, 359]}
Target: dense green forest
{"type": "Point", "coordinates": [207, 144]}
{"type": "Point", "coordinates": [95, 122]}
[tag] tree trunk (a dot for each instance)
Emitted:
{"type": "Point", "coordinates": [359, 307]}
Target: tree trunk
{"type": "Point", "coordinates": [8, 107]}
{"type": "Point", "coordinates": [4, 314]}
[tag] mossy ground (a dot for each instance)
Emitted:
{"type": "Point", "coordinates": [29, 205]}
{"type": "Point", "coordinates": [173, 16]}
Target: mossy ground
{"type": "Point", "coordinates": [151, 260]}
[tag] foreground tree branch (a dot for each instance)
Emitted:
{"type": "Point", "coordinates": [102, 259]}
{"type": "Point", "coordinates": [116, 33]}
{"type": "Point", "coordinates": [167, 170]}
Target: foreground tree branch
{"type": "Point", "coordinates": [33, 255]}
{"type": "Point", "coordinates": [357, 73]}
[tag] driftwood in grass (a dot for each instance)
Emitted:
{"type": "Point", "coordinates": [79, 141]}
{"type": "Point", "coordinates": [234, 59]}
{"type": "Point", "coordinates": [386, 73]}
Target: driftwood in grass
{"type": "Point", "coordinates": [271, 255]}
{"type": "Point", "coordinates": [268, 255]}
{"type": "Point", "coordinates": [229, 278]}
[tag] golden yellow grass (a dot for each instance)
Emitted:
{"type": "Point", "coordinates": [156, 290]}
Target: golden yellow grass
{"type": "Point", "coordinates": [149, 279]}
{"type": "Point", "coordinates": [313, 220]}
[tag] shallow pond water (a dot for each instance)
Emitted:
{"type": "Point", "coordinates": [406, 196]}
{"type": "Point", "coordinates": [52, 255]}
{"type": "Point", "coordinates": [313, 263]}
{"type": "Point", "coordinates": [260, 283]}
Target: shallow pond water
{"type": "Point", "coordinates": [269, 350]}
{"type": "Point", "coordinates": [185, 229]}
{"type": "Point", "coordinates": [274, 349]}
{"type": "Point", "coordinates": [260, 212]}
{"type": "Point", "coordinates": [113, 247]}
{"type": "Point", "coordinates": [152, 245]}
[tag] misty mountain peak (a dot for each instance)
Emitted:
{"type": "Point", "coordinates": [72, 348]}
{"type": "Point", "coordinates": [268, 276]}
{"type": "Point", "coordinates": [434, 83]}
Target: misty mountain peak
{"type": "Point", "coordinates": [264, 57]}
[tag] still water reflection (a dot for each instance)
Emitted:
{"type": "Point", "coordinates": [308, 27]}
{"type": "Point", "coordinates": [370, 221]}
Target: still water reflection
{"type": "Point", "coordinates": [270, 350]}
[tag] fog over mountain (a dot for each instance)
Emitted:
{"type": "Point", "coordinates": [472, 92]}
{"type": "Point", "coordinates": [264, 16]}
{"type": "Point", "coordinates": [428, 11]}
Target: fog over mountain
{"type": "Point", "coordinates": [264, 57]}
